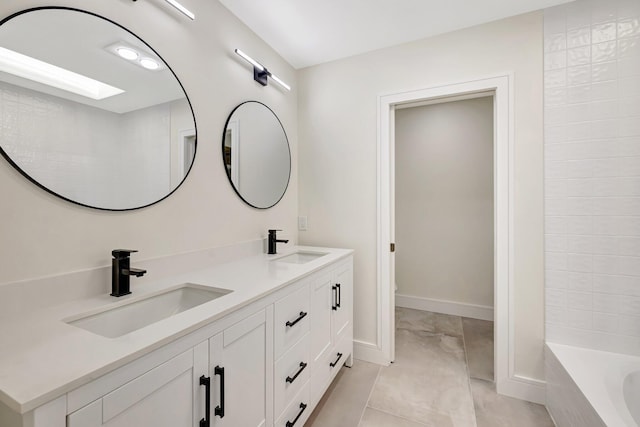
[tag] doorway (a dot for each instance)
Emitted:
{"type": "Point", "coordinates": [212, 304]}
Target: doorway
{"type": "Point", "coordinates": [500, 88]}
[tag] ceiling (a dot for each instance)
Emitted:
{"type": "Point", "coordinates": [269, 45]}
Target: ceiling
{"type": "Point", "coordinates": [310, 32]}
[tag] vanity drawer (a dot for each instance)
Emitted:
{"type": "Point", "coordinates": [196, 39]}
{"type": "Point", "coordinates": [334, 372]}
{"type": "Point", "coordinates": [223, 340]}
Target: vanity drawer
{"type": "Point", "coordinates": [298, 411]}
{"type": "Point", "coordinates": [291, 320]}
{"type": "Point", "coordinates": [291, 373]}
{"type": "Point", "coordinates": [328, 367]}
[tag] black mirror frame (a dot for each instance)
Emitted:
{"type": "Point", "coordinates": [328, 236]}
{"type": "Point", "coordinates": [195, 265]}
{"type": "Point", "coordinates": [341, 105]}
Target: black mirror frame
{"type": "Point", "coordinates": [286, 138]}
{"type": "Point", "coordinates": [26, 175]}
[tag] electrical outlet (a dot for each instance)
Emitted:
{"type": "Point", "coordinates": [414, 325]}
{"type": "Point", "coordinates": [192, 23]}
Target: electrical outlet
{"type": "Point", "coordinates": [302, 223]}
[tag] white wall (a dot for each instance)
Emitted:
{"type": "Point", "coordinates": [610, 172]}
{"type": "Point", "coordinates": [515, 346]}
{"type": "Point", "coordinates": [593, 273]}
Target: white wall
{"type": "Point", "coordinates": [337, 129]}
{"type": "Point", "coordinates": [444, 201]}
{"type": "Point", "coordinates": [592, 174]}
{"type": "Point", "coordinates": [43, 235]}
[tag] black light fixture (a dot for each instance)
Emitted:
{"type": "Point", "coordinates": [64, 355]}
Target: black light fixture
{"type": "Point", "coordinates": [260, 72]}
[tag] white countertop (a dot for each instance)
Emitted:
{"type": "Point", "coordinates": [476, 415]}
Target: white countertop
{"type": "Point", "coordinates": [42, 357]}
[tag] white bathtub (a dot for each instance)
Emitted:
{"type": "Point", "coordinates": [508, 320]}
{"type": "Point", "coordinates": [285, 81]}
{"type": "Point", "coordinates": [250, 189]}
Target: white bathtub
{"type": "Point", "coordinates": [590, 388]}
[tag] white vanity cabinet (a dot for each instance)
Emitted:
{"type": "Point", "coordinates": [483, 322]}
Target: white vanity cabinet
{"type": "Point", "coordinates": [169, 395]}
{"type": "Point", "coordinates": [267, 363]}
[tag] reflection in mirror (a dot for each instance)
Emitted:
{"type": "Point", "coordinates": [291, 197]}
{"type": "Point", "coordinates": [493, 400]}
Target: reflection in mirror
{"type": "Point", "coordinates": [256, 154]}
{"type": "Point", "coordinates": [90, 112]}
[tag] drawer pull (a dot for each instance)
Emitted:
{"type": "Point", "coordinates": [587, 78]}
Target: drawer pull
{"type": "Point", "coordinates": [336, 362]}
{"type": "Point", "coordinates": [293, 378]}
{"type": "Point", "coordinates": [219, 410]}
{"type": "Point", "coordinates": [303, 406]}
{"type": "Point", "coordinates": [334, 298]}
{"type": "Point", "coordinates": [206, 382]}
{"type": "Point", "coordinates": [339, 295]}
{"type": "Point", "coordinates": [300, 317]}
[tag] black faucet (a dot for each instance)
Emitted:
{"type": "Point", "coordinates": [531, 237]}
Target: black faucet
{"type": "Point", "coordinates": [273, 240]}
{"type": "Point", "coordinates": [121, 271]}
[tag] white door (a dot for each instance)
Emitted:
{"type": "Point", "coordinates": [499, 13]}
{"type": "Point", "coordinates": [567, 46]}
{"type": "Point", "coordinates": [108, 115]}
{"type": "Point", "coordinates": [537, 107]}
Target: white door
{"type": "Point", "coordinates": [169, 395]}
{"type": "Point", "coordinates": [240, 374]}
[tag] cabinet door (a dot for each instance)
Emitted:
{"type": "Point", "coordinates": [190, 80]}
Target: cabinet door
{"type": "Point", "coordinates": [242, 371]}
{"type": "Point", "coordinates": [342, 300]}
{"type": "Point", "coordinates": [321, 308]}
{"type": "Point", "coordinates": [169, 395]}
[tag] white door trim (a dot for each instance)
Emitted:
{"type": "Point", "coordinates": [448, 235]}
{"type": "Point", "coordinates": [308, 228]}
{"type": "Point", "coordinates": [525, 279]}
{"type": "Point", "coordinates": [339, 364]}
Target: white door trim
{"type": "Point", "coordinates": [502, 88]}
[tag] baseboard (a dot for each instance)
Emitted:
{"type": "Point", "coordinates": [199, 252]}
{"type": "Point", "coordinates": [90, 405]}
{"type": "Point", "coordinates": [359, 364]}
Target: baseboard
{"type": "Point", "coordinates": [472, 311]}
{"type": "Point", "coordinates": [369, 353]}
{"type": "Point", "coordinates": [524, 388]}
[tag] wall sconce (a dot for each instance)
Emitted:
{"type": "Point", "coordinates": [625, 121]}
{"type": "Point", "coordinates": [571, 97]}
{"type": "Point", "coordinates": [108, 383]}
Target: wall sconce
{"type": "Point", "coordinates": [186, 12]}
{"type": "Point", "coordinates": [260, 72]}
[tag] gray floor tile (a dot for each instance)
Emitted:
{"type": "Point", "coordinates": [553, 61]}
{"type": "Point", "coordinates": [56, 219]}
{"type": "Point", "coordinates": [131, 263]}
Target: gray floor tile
{"type": "Point", "coordinates": [493, 410]}
{"type": "Point", "coordinates": [345, 400]}
{"type": "Point", "coordinates": [417, 320]}
{"type": "Point", "coordinates": [428, 381]}
{"type": "Point", "coordinates": [373, 418]}
{"type": "Point", "coordinates": [478, 341]}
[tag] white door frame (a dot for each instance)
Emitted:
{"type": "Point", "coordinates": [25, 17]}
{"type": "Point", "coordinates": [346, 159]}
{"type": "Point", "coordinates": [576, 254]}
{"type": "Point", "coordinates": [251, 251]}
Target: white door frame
{"type": "Point", "coordinates": [502, 88]}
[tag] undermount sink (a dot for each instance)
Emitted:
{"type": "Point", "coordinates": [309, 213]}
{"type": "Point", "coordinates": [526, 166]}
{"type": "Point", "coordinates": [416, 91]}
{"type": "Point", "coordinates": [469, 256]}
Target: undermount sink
{"type": "Point", "coordinates": [301, 257]}
{"type": "Point", "coordinates": [134, 315]}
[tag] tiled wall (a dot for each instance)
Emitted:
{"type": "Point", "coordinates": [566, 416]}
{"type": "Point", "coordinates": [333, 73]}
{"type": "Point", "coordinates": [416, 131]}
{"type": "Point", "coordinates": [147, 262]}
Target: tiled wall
{"type": "Point", "coordinates": [592, 174]}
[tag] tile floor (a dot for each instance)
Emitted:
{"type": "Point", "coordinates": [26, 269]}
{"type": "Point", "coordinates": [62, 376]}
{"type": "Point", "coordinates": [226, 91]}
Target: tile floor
{"type": "Point", "coordinates": [442, 377]}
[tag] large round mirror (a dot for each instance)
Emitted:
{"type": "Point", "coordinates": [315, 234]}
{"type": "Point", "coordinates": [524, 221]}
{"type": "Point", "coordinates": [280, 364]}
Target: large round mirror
{"type": "Point", "coordinates": [256, 154]}
{"type": "Point", "coordinates": [90, 112]}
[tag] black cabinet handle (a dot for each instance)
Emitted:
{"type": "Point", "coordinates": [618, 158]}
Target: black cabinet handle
{"type": "Point", "coordinates": [336, 362]}
{"type": "Point", "coordinates": [206, 382]}
{"type": "Point", "coordinates": [334, 297]}
{"type": "Point", "coordinates": [219, 411]}
{"type": "Point", "coordinates": [303, 406]}
{"type": "Point", "coordinates": [339, 295]}
{"type": "Point", "coordinates": [300, 317]}
{"type": "Point", "coordinates": [293, 378]}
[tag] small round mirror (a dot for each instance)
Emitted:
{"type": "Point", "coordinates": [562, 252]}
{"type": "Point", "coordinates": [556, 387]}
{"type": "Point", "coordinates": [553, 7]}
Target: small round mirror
{"type": "Point", "coordinates": [256, 154]}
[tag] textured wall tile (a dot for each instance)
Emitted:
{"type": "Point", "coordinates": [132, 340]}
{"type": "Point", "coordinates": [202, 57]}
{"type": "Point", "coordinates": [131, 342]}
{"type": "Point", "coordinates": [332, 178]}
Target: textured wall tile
{"type": "Point", "coordinates": [604, 71]}
{"type": "Point", "coordinates": [581, 319]}
{"type": "Point", "coordinates": [579, 187]}
{"type": "Point", "coordinates": [605, 322]}
{"type": "Point", "coordinates": [555, 242]}
{"type": "Point", "coordinates": [606, 303]}
{"type": "Point", "coordinates": [580, 225]}
{"type": "Point", "coordinates": [579, 75]}
{"type": "Point", "coordinates": [555, 42]}
{"type": "Point", "coordinates": [592, 167]}
{"type": "Point", "coordinates": [575, 56]}
{"type": "Point", "coordinates": [604, 32]}
{"type": "Point", "coordinates": [555, 78]}
{"type": "Point", "coordinates": [579, 168]}
{"type": "Point", "coordinates": [579, 244]}
{"type": "Point", "coordinates": [578, 37]}
{"type": "Point", "coordinates": [556, 297]}
{"type": "Point", "coordinates": [556, 279]}
{"type": "Point", "coordinates": [555, 225]}
{"type": "Point", "coordinates": [555, 152]}
{"type": "Point", "coordinates": [580, 300]}
{"type": "Point", "coordinates": [628, 27]}
{"type": "Point", "coordinates": [579, 263]}
{"type": "Point", "coordinates": [580, 281]}
{"type": "Point", "coordinates": [629, 47]}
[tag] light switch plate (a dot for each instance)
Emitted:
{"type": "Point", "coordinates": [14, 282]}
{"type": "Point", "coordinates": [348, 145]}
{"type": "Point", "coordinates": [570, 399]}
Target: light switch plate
{"type": "Point", "coordinates": [302, 223]}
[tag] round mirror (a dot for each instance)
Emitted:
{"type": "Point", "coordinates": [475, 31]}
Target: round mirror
{"type": "Point", "coordinates": [89, 112]}
{"type": "Point", "coordinates": [256, 154]}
